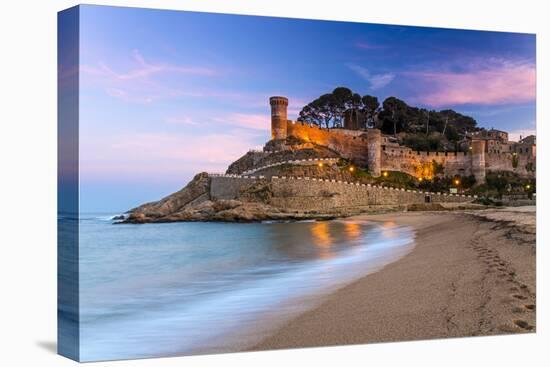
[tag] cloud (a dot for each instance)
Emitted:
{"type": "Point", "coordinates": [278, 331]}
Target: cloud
{"type": "Point", "coordinates": [376, 81]}
{"type": "Point", "coordinates": [381, 80]}
{"type": "Point", "coordinates": [484, 83]}
{"type": "Point", "coordinates": [182, 120]}
{"type": "Point", "coordinates": [144, 69]}
{"type": "Point", "coordinates": [254, 122]}
{"type": "Point", "coordinates": [159, 155]}
{"type": "Point", "coordinates": [248, 121]}
{"type": "Point", "coordinates": [139, 83]}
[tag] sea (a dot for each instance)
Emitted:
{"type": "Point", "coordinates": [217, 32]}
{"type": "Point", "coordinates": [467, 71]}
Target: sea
{"type": "Point", "coordinates": [186, 288]}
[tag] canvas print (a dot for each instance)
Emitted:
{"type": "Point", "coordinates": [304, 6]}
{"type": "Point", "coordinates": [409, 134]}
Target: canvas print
{"type": "Point", "coordinates": [237, 183]}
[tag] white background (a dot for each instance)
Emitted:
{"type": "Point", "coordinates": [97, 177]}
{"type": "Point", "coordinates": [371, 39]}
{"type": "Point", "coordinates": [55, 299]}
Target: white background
{"type": "Point", "coordinates": [28, 182]}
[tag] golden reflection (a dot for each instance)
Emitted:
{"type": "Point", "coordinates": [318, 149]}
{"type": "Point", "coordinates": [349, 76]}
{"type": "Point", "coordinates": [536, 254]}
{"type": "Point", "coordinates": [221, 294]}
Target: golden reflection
{"type": "Point", "coordinates": [322, 239]}
{"type": "Point", "coordinates": [352, 230]}
{"type": "Point", "coordinates": [389, 224]}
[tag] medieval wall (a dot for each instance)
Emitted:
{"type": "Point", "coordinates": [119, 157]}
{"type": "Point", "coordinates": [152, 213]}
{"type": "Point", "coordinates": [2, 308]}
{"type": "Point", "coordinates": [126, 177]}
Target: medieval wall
{"type": "Point", "coordinates": [351, 144]}
{"type": "Point", "coordinates": [526, 163]}
{"type": "Point", "coordinates": [406, 160]}
{"type": "Point", "coordinates": [309, 194]}
{"type": "Point", "coordinates": [326, 195]}
{"type": "Point", "coordinates": [228, 187]}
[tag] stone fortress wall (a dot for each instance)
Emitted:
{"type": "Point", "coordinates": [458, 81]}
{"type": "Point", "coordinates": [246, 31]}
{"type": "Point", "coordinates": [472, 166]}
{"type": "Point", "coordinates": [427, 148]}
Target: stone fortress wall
{"type": "Point", "coordinates": [312, 194]}
{"type": "Point", "coordinates": [351, 144]}
{"type": "Point", "coordinates": [376, 151]}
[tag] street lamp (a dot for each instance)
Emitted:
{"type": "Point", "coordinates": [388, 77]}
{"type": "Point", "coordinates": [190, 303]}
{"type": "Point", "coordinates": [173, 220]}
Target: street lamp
{"type": "Point", "coordinates": [456, 181]}
{"type": "Point", "coordinates": [351, 169]}
{"type": "Point", "coordinates": [385, 174]}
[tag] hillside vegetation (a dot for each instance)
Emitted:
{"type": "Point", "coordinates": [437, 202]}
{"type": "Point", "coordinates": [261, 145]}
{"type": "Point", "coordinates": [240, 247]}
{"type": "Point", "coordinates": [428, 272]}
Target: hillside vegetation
{"type": "Point", "coordinates": [416, 127]}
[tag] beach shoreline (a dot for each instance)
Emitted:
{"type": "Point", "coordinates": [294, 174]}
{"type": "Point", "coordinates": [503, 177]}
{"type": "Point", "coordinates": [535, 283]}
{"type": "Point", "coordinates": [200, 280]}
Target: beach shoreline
{"type": "Point", "coordinates": [471, 273]}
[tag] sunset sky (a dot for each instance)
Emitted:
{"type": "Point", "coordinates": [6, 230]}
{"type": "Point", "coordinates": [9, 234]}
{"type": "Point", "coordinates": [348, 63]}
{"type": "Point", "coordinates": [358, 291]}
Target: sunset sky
{"type": "Point", "coordinates": [167, 94]}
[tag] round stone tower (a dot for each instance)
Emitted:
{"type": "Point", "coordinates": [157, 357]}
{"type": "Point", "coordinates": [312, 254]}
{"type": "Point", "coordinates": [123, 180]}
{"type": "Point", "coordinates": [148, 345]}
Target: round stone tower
{"type": "Point", "coordinates": [374, 151]}
{"type": "Point", "coordinates": [478, 160]}
{"type": "Point", "coordinates": [279, 117]}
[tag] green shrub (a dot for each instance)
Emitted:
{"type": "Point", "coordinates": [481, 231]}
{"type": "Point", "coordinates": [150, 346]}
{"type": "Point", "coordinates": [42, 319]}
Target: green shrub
{"type": "Point", "coordinates": [515, 161]}
{"type": "Point", "coordinates": [438, 168]}
{"type": "Point", "coordinates": [423, 142]}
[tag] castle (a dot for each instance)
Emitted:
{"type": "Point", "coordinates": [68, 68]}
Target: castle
{"type": "Point", "coordinates": [298, 175]}
{"type": "Point", "coordinates": [488, 150]}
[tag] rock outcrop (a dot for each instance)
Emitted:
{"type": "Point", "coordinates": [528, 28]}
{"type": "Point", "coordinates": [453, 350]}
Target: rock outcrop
{"type": "Point", "coordinates": [193, 203]}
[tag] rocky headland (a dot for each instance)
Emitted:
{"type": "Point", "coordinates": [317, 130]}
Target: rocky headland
{"type": "Point", "coordinates": [193, 203]}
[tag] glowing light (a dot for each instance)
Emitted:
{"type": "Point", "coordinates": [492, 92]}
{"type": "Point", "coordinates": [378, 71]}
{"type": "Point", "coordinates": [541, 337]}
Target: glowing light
{"type": "Point", "coordinates": [320, 164]}
{"type": "Point", "coordinates": [470, 148]}
{"type": "Point", "coordinates": [528, 187]}
{"type": "Point", "coordinates": [456, 181]}
{"type": "Point", "coordinates": [385, 174]}
{"type": "Point", "coordinates": [420, 179]}
{"type": "Point", "coordinates": [322, 239]}
{"type": "Point", "coordinates": [351, 169]}
{"type": "Point", "coordinates": [352, 230]}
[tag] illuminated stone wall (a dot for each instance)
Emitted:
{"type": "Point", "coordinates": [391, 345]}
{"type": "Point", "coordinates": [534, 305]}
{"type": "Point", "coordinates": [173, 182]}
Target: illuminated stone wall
{"type": "Point", "coordinates": [371, 149]}
{"type": "Point", "coordinates": [350, 144]}
{"type": "Point", "coordinates": [406, 160]}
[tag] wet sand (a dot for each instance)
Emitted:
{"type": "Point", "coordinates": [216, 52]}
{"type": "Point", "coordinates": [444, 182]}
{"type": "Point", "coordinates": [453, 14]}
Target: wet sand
{"type": "Point", "coordinates": [471, 273]}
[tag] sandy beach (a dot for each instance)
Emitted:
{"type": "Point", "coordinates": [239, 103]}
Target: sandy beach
{"type": "Point", "coordinates": [470, 273]}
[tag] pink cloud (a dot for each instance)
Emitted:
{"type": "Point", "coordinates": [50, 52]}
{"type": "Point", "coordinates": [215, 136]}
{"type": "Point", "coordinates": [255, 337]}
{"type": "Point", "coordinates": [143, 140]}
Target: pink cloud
{"type": "Point", "coordinates": [497, 83]}
{"type": "Point", "coordinates": [252, 121]}
{"type": "Point", "coordinates": [248, 121]}
{"type": "Point", "coordinates": [182, 120]}
{"type": "Point", "coordinates": [162, 154]}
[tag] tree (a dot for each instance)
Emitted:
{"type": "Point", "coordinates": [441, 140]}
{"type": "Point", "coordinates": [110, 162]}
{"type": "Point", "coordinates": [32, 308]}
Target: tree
{"type": "Point", "coordinates": [329, 109]}
{"type": "Point", "coordinates": [370, 107]}
{"type": "Point", "coordinates": [427, 120]}
{"type": "Point", "coordinates": [320, 112]}
{"type": "Point", "coordinates": [393, 115]}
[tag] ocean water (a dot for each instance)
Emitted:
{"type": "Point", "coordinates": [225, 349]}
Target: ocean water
{"type": "Point", "coordinates": [191, 288]}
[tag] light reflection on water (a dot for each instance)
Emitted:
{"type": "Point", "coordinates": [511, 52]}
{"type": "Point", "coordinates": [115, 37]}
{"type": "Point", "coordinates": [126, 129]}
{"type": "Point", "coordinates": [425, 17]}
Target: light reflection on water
{"type": "Point", "coordinates": [185, 288]}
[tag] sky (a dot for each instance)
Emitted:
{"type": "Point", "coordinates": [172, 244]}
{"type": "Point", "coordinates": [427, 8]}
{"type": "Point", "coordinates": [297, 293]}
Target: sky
{"type": "Point", "coordinates": [167, 94]}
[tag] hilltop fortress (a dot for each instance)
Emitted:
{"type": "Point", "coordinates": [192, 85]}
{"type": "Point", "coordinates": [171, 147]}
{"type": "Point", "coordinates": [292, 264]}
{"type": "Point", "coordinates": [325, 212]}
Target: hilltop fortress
{"type": "Point", "coordinates": [308, 172]}
{"type": "Point", "coordinates": [488, 151]}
